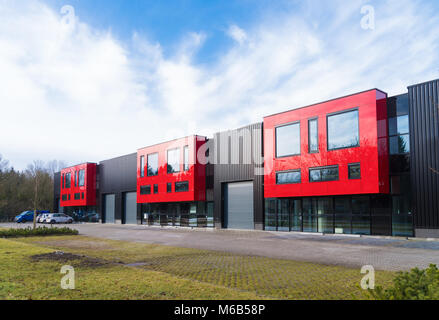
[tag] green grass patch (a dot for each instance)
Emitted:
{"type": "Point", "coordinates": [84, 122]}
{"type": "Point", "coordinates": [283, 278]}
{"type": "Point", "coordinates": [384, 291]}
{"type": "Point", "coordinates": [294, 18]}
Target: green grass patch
{"type": "Point", "coordinates": [263, 277]}
{"type": "Point", "coordinates": [29, 271]}
{"type": "Point", "coordinates": [40, 231]}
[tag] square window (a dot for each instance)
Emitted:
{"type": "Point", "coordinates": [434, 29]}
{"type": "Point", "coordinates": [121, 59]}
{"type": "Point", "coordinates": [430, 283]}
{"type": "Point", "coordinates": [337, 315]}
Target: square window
{"type": "Point", "coordinates": [288, 140]}
{"type": "Point", "coordinates": [145, 190]}
{"type": "Point", "coordinates": [354, 171]}
{"type": "Point", "coordinates": [343, 130]}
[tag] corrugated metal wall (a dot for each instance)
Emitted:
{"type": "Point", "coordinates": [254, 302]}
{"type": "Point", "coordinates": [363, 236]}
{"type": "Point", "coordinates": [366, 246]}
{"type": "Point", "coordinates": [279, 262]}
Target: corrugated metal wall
{"type": "Point", "coordinates": [237, 155]}
{"type": "Point", "coordinates": [56, 191]}
{"type": "Point", "coordinates": [117, 176]}
{"type": "Point", "coordinates": [424, 140]}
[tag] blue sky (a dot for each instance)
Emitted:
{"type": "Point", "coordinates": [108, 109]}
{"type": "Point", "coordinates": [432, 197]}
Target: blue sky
{"type": "Point", "coordinates": [126, 74]}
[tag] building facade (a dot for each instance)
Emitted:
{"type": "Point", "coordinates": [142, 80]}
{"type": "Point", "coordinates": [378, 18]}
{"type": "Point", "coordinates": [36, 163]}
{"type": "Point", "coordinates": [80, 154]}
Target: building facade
{"type": "Point", "coordinates": [364, 164]}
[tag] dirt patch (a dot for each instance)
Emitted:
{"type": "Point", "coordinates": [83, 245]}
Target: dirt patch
{"type": "Point", "coordinates": [77, 244]}
{"type": "Point", "coordinates": [64, 257]}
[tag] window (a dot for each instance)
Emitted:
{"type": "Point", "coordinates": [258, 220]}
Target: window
{"type": "Point", "coordinates": [288, 140]}
{"type": "Point", "coordinates": [145, 190]}
{"type": "Point", "coordinates": [399, 137]}
{"type": "Point", "coordinates": [323, 174]}
{"type": "Point", "coordinates": [354, 171]}
{"type": "Point", "coordinates": [142, 166]}
{"type": "Point", "coordinates": [64, 197]}
{"type": "Point", "coordinates": [76, 179]}
{"type": "Point", "coordinates": [169, 187]}
{"type": "Point", "coordinates": [68, 180]}
{"type": "Point", "coordinates": [173, 161]}
{"type": "Point", "coordinates": [156, 188]}
{"type": "Point", "coordinates": [77, 196]}
{"type": "Point", "coordinates": [313, 135]}
{"type": "Point", "coordinates": [81, 178]}
{"type": "Point", "coordinates": [186, 158]}
{"type": "Point", "coordinates": [182, 186]}
{"type": "Point", "coordinates": [62, 180]}
{"type": "Point", "coordinates": [343, 130]}
{"type": "Point", "coordinates": [82, 195]}
{"type": "Point", "coordinates": [153, 164]}
{"type": "Point", "coordinates": [288, 177]}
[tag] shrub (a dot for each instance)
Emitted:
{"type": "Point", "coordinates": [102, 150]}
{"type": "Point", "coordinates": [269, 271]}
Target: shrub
{"type": "Point", "coordinates": [413, 285]}
{"type": "Point", "coordinates": [29, 232]}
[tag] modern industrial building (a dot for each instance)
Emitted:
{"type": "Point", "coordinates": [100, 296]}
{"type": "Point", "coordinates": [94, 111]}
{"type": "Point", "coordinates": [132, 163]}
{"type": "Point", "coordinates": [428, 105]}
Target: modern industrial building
{"type": "Point", "coordinates": [364, 164]}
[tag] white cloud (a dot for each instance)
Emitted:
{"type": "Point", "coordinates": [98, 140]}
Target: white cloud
{"type": "Point", "coordinates": [237, 34]}
{"type": "Point", "coordinates": [80, 94]}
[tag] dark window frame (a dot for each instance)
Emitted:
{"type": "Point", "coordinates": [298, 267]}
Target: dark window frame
{"type": "Point", "coordinates": [327, 128]}
{"type": "Point", "coordinates": [398, 135]}
{"type": "Point", "coordinates": [349, 170]}
{"type": "Point", "coordinates": [289, 171]}
{"type": "Point", "coordinates": [179, 183]}
{"type": "Point", "coordinates": [68, 183]}
{"type": "Point", "coordinates": [169, 187]}
{"type": "Point", "coordinates": [156, 189]}
{"type": "Point", "coordinates": [300, 139]}
{"type": "Point", "coordinates": [142, 166]}
{"type": "Point", "coordinates": [316, 119]}
{"type": "Point", "coordinates": [145, 190]}
{"type": "Point", "coordinates": [321, 176]}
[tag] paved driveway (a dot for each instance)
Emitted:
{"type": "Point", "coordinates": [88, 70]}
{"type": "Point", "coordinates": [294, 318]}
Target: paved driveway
{"type": "Point", "coordinates": [384, 254]}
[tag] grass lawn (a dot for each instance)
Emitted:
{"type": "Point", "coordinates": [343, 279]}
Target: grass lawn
{"type": "Point", "coordinates": [110, 269]}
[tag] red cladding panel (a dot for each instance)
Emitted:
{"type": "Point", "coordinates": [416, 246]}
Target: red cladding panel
{"type": "Point", "coordinates": [195, 176]}
{"type": "Point", "coordinates": [372, 152]}
{"type": "Point", "coordinates": [82, 191]}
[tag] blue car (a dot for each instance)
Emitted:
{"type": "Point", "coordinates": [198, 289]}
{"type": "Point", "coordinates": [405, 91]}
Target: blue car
{"type": "Point", "coordinates": [27, 216]}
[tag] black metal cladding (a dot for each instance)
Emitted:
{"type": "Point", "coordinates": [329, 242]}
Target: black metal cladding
{"type": "Point", "coordinates": [424, 140]}
{"type": "Point", "coordinates": [117, 176]}
{"type": "Point", "coordinates": [236, 156]}
{"type": "Point", "coordinates": [56, 191]}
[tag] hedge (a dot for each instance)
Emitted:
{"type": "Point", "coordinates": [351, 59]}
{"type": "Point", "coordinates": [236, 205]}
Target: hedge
{"type": "Point", "coordinates": [30, 232]}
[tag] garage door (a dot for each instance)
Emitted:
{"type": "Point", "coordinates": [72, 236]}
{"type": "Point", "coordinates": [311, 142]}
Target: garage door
{"type": "Point", "coordinates": [109, 200]}
{"type": "Point", "coordinates": [238, 205]}
{"type": "Point", "coordinates": [130, 207]}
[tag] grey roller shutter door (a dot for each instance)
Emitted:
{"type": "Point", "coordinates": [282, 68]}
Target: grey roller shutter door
{"type": "Point", "coordinates": [110, 200]}
{"type": "Point", "coordinates": [239, 205]}
{"type": "Point", "coordinates": [130, 207]}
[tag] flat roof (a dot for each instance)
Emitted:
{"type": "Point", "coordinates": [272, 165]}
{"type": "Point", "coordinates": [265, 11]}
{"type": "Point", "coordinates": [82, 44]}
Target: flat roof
{"type": "Point", "coordinates": [157, 144]}
{"type": "Point", "coordinates": [314, 104]}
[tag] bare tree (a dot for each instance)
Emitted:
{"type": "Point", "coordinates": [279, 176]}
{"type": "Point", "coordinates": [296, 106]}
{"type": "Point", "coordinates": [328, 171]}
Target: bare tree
{"type": "Point", "coordinates": [35, 170]}
{"type": "Point", "coordinates": [4, 164]}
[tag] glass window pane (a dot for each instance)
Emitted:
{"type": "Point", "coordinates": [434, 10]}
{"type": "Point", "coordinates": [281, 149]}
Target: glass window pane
{"type": "Point", "coordinates": [288, 140]}
{"type": "Point", "coordinates": [343, 224]}
{"type": "Point", "coordinates": [400, 144]}
{"type": "Point", "coordinates": [324, 206]}
{"type": "Point", "coordinates": [169, 187]}
{"type": "Point", "coordinates": [153, 164]}
{"type": "Point", "coordinates": [313, 135]}
{"type": "Point", "coordinates": [186, 158]}
{"type": "Point", "coordinates": [360, 205]}
{"type": "Point", "coordinates": [145, 190]}
{"type": "Point", "coordinates": [182, 186]}
{"type": "Point", "coordinates": [68, 180]}
{"type": "Point", "coordinates": [270, 214]}
{"type": "Point", "coordinates": [315, 175]}
{"type": "Point", "coordinates": [354, 171]}
{"type": "Point", "coordinates": [326, 224]}
{"type": "Point", "coordinates": [361, 225]}
{"type": "Point", "coordinates": [342, 205]}
{"type": "Point", "coordinates": [174, 161]}
{"type": "Point", "coordinates": [283, 215]}
{"type": "Point", "coordinates": [81, 178]}
{"type": "Point", "coordinates": [289, 177]}
{"type": "Point", "coordinates": [309, 223]}
{"type": "Point", "coordinates": [330, 174]}
{"type": "Point", "coordinates": [142, 166]}
{"type": "Point", "coordinates": [343, 130]}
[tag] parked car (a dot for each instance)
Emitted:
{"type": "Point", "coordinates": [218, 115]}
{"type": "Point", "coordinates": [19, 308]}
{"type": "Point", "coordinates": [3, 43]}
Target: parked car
{"type": "Point", "coordinates": [42, 217]}
{"type": "Point", "coordinates": [28, 216]}
{"type": "Point", "coordinates": [58, 218]}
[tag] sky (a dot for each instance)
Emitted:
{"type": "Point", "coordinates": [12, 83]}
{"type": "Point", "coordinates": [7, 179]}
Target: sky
{"type": "Point", "coordinates": [92, 80]}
